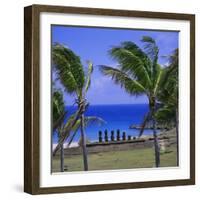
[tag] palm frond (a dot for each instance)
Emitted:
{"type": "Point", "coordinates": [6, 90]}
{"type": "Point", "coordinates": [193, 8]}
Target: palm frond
{"type": "Point", "coordinates": [158, 78]}
{"type": "Point", "coordinates": [152, 51]}
{"type": "Point", "coordinates": [150, 47]}
{"type": "Point", "coordinates": [131, 63]}
{"type": "Point", "coordinates": [67, 129]}
{"type": "Point", "coordinates": [169, 82]}
{"type": "Point", "coordinates": [94, 120]}
{"type": "Point", "coordinates": [131, 86]}
{"type": "Point", "coordinates": [137, 51]}
{"type": "Point", "coordinates": [88, 120]}
{"type": "Point", "coordinates": [173, 60]}
{"type": "Point", "coordinates": [166, 114]}
{"type": "Point", "coordinates": [58, 107]}
{"type": "Point", "coordinates": [88, 78]}
{"type": "Point", "coordinates": [64, 74]}
{"type": "Point", "coordinates": [69, 68]}
{"type": "Point", "coordinates": [59, 121]}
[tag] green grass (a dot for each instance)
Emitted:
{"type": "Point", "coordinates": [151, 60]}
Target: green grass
{"type": "Point", "coordinates": [129, 159]}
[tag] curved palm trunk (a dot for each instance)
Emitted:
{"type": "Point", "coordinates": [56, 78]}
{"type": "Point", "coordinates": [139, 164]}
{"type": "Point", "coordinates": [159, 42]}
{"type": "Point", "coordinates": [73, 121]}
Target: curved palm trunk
{"type": "Point", "coordinates": [83, 136]}
{"type": "Point", "coordinates": [156, 145]}
{"type": "Point", "coordinates": [177, 139]}
{"type": "Point", "coordinates": [67, 130]}
{"type": "Point", "coordinates": [61, 155]}
{"type": "Point", "coordinates": [156, 141]}
{"type": "Point", "coordinates": [62, 158]}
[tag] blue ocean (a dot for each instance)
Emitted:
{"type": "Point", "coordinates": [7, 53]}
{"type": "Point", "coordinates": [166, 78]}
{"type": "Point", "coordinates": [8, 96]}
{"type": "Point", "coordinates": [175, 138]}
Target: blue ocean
{"type": "Point", "coordinates": [115, 117]}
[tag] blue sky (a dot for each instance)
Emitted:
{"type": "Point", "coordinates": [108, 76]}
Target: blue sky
{"type": "Point", "coordinates": [93, 44]}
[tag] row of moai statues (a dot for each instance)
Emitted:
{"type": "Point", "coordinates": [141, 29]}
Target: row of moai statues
{"type": "Point", "coordinates": [112, 136]}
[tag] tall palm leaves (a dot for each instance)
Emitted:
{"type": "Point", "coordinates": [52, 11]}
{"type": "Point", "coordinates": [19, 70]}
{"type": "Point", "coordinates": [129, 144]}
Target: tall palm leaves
{"type": "Point", "coordinates": [88, 120]}
{"type": "Point", "coordinates": [65, 130]}
{"type": "Point", "coordinates": [70, 135]}
{"type": "Point", "coordinates": [58, 115]}
{"type": "Point", "coordinates": [72, 76]}
{"type": "Point", "coordinates": [139, 73]}
{"type": "Point", "coordinates": [69, 69]}
{"type": "Point", "coordinates": [168, 96]}
{"type": "Point", "coordinates": [58, 106]}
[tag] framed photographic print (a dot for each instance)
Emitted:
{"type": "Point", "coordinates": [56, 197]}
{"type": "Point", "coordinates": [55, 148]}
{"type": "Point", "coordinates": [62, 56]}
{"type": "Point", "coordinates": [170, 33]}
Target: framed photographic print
{"type": "Point", "coordinates": [109, 99]}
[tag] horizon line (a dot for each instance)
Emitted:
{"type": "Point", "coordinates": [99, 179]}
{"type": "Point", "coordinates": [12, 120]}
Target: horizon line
{"type": "Point", "coordinates": [112, 104]}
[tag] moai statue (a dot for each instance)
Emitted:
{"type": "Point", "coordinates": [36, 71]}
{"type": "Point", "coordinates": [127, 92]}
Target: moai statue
{"type": "Point", "coordinates": [124, 136]}
{"type": "Point", "coordinates": [118, 135]}
{"type": "Point", "coordinates": [112, 136]}
{"type": "Point", "coordinates": [106, 135]}
{"type": "Point", "coordinates": [100, 136]}
{"type": "Point", "coordinates": [129, 137]}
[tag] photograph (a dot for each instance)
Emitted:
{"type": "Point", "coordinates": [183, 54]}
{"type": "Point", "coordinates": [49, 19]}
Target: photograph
{"type": "Point", "coordinates": [109, 99]}
{"type": "Point", "coordinates": [114, 98]}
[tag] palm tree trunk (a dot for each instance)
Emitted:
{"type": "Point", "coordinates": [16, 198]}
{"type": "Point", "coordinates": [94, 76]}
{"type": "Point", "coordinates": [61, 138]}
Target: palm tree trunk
{"type": "Point", "coordinates": [83, 136]}
{"type": "Point", "coordinates": [156, 142]}
{"type": "Point", "coordinates": [177, 139]}
{"type": "Point", "coordinates": [62, 158]}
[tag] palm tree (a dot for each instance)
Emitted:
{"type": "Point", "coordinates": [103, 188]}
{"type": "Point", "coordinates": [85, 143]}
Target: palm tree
{"type": "Point", "coordinates": [61, 130]}
{"type": "Point", "coordinates": [168, 96]}
{"type": "Point", "coordinates": [72, 76]}
{"type": "Point", "coordinates": [139, 73]}
{"type": "Point", "coordinates": [88, 121]}
{"type": "Point", "coordinates": [58, 114]}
